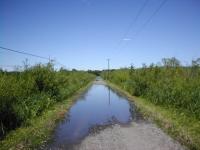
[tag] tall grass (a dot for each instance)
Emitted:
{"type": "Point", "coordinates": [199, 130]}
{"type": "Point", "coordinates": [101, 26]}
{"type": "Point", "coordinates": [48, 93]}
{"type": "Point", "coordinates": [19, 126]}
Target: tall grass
{"type": "Point", "coordinates": [169, 85]}
{"type": "Point", "coordinates": [25, 95]}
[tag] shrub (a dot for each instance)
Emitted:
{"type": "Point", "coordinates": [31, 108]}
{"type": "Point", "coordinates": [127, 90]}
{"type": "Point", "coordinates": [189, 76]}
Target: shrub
{"type": "Point", "coordinates": [24, 95]}
{"type": "Point", "coordinates": [170, 85]}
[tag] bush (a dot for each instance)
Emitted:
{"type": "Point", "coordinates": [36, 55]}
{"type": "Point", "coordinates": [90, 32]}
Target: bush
{"type": "Point", "coordinates": [24, 95]}
{"type": "Point", "coordinates": [170, 85]}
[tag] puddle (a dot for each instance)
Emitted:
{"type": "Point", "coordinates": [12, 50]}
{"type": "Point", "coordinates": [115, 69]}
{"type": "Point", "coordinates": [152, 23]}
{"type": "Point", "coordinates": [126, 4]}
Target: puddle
{"type": "Point", "coordinates": [97, 108]}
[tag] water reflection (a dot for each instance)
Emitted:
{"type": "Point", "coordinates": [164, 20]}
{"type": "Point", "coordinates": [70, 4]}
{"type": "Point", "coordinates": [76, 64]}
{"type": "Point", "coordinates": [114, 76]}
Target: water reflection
{"type": "Point", "coordinates": [100, 105]}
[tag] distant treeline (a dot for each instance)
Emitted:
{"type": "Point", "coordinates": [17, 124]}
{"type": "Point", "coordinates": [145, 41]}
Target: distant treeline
{"type": "Point", "coordinates": [26, 94]}
{"type": "Point", "coordinates": [95, 72]}
{"type": "Point", "coordinates": [169, 84]}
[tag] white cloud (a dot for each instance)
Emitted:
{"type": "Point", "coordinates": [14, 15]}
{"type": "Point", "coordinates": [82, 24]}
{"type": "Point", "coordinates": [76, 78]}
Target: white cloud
{"type": "Point", "coordinates": [126, 39]}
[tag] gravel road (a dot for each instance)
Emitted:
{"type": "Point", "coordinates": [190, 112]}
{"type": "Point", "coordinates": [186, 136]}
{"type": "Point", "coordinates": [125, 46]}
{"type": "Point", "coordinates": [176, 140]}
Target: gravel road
{"type": "Point", "coordinates": [137, 136]}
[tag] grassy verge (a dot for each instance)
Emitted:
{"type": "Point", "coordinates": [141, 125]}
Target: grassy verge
{"type": "Point", "coordinates": [178, 124]}
{"type": "Point", "coordinates": [39, 130]}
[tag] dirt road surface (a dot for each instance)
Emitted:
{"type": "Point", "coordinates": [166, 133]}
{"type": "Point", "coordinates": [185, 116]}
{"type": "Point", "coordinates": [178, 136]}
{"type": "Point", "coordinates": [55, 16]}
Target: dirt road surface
{"type": "Point", "coordinates": [137, 136]}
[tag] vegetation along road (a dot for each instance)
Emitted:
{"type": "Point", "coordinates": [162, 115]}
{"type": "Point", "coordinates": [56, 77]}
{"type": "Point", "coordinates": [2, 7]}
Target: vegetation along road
{"type": "Point", "coordinates": [43, 108]}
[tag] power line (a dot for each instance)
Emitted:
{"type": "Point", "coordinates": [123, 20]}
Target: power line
{"type": "Point", "coordinates": [133, 22]}
{"type": "Point", "coordinates": [151, 17]}
{"type": "Point", "coordinates": [29, 54]}
{"type": "Point", "coordinates": [22, 52]}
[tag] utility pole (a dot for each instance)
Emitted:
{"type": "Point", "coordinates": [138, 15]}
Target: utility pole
{"type": "Point", "coordinates": [108, 69]}
{"type": "Point", "coordinates": [49, 59]}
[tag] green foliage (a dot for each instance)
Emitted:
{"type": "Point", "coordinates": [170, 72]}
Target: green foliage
{"type": "Point", "coordinates": [170, 85]}
{"type": "Point", "coordinates": [95, 72]}
{"type": "Point", "coordinates": [25, 95]}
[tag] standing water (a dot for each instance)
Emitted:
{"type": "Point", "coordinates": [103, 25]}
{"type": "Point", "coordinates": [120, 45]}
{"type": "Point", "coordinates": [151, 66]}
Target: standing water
{"type": "Point", "coordinates": [98, 106]}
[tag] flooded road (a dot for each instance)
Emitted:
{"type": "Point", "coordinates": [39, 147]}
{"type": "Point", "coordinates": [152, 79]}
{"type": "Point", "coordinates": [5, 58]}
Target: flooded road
{"type": "Point", "coordinates": [98, 106]}
{"type": "Point", "coordinates": [102, 119]}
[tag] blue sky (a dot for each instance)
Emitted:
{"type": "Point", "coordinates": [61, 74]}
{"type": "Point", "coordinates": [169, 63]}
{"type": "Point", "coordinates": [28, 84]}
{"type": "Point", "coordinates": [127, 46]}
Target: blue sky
{"type": "Point", "coordinates": [82, 34]}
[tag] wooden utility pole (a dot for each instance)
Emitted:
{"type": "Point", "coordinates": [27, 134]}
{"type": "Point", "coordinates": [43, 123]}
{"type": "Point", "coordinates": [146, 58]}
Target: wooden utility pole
{"type": "Point", "coordinates": [108, 77]}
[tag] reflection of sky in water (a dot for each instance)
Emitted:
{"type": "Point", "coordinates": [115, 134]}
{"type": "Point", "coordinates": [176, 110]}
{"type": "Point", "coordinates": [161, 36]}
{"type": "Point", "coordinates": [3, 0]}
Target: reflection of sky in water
{"type": "Point", "coordinates": [99, 105]}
